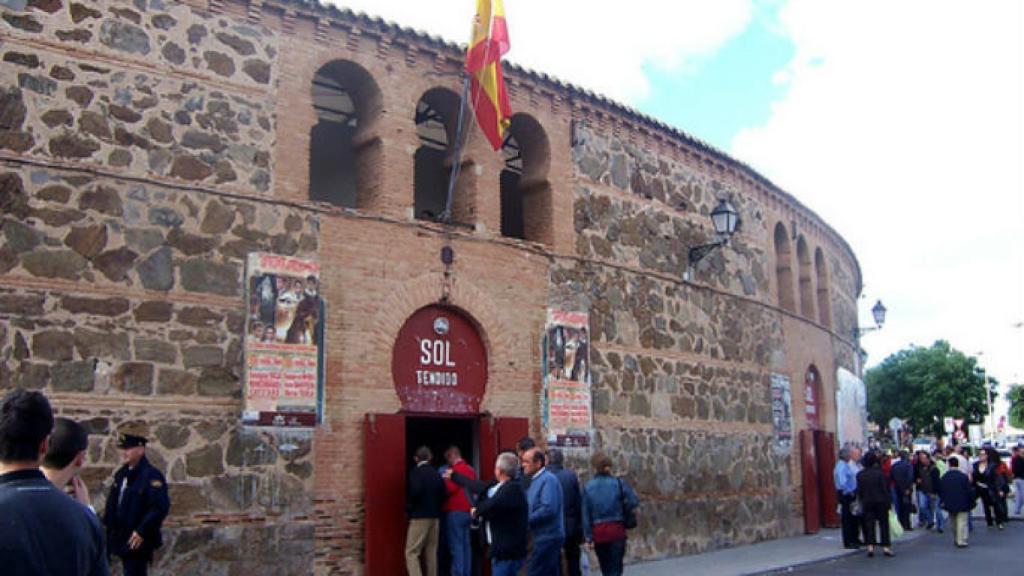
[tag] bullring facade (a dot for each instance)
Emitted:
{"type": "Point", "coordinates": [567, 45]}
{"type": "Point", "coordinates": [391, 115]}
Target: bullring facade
{"type": "Point", "coordinates": [148, 147]}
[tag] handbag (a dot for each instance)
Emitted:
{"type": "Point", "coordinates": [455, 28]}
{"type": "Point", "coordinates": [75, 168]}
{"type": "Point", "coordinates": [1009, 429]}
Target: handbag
{"type": "Point", "coordinates": [628, 512]}
{"type": "Point", "coordinates": [895, 528]}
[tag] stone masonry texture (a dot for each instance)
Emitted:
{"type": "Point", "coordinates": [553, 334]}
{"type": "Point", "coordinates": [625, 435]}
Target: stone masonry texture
{"type": "Point", "coordinates": [148, 146]}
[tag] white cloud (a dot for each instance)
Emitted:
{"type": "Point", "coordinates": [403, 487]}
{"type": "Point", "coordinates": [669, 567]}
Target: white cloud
{"type": "Point", "coordinates": [903, 127]}
{"type": "Point", "coordinates": [601, 45]}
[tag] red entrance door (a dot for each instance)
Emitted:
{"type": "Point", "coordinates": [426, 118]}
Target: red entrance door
{"type": "Point", "coordinates": [384, 485]}
{"type": "Point", "coordinates": [384, 478]}
{"type": "Point", "coordinates": [825, 451]}
{"type": "Point", "coordinates": [809, 475]}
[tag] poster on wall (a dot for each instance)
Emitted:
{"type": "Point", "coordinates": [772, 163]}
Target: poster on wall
{"type": "Point", "coordinates": [283, 375]}
{"type": "Point", "coordinates": [782, 414]}
{"type": "Point", "coordinates": [566, 402]}
{"type": "Point", "coordinates": [851, 409]}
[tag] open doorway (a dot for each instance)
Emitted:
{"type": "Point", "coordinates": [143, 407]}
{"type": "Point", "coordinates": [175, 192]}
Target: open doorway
{"type": "Point", "coordinates": [439, 434]}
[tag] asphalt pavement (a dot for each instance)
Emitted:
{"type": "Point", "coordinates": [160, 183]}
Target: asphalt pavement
{"type": "Point", "coordinates": [990, 551]}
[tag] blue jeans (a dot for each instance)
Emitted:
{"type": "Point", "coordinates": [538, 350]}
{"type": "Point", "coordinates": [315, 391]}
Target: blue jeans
{"type": "Point", "coordinates": [546, 559]}
{"type": "Point", "coordinates": [457, 533]}
{"type": "Point", "coordinates": [506, 567]}
{"type": "Point", "coordinates": [928, 510]}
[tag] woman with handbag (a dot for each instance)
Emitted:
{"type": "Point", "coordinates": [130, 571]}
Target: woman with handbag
{"type": "Point", "coordinates": [609, 509]}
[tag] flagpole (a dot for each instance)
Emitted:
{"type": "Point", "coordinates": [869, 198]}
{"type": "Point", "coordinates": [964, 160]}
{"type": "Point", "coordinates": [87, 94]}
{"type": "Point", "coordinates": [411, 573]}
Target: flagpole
{"type": "Point", "coordinates": [446, 215]}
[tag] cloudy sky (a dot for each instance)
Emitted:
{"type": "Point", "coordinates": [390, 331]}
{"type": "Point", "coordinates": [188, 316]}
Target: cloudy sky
{"type": "Point", "coordinates": [899, 122]}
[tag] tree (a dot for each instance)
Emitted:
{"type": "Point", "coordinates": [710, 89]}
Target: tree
{"type": "Point", "coordinates": [922, 385]}
{"type": "Point", "coordinates": [1016, 399]}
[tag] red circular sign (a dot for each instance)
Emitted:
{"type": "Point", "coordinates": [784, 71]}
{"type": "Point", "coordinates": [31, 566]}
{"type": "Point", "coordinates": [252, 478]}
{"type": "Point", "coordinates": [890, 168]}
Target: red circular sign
{"type": "Point", "coordinates": [439, 363]}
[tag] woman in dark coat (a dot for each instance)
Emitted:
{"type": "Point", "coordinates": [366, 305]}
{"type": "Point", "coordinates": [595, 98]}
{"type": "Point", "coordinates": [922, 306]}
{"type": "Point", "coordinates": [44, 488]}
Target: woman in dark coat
{"type": "Point", "coordinates": [873, 493]}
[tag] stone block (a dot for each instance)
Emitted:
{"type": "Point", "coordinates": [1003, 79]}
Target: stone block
{"type": "Point", "coordinates": [65, 264]}
{"type": "Point", "coordinates": [22, 304]}
{"type": "Point", "coordinates": [134, 378]}
{"type": "Point", "coordinates": [103, 345]}
{"type": "Point", "coordinates": [219, 382]}
{"type": "Point", "coordinates": [53, 345]}
{"type": "Point", "coordinates": [211, 278]}
{"type": "Point", "coordinates": [205, 462]}
{"type": "Point", "coordinates": [172, 436]}
{"type": "Point", "coordinates": [153, 350]}
{"type": "Point", "coordinates": [176, 382]}
{"type": "Point", "coordinates": [249, 448]}
{"type": "Point", "coordinates": [202, 356]}
{"type": "Point", "coordinates": [187, 500]}
{"type": "Point", "coordinates": [115, 264]}
{"type": "Point", "coordinates": [154, 311]}
{"type": "Point", "coordinates": [157, 271]}
{"type": "Point", "coordinates": [73, 376]}
{"type": "Point", "coordinates": [97, 306]}
{"type": "Point", "coordinates": [87, 241]}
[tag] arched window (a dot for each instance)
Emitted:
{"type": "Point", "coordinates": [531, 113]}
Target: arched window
{"type": "Point", "coordinates": [821, 271]}
{"type": "Point", "coordinates": [803, 257]}
{"type": "Point", "coordinates": [344, 151]}
{"type": "Point", "coordinates": [784, 268]}
{"type": "Point", "coordinates": [525, 190]}
{"type": "Point", "coordinates": [437, 115]}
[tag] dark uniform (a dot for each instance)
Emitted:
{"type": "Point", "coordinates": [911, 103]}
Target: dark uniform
{"type": "Point", "coordinates": [140, 506]}
{"type": "Point", "coordinates": [43, 532]}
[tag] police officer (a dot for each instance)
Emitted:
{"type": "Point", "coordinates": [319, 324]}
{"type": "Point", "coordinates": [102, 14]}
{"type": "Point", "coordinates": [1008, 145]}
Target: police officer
{"type": "Point", "coordinates": [136, 507]}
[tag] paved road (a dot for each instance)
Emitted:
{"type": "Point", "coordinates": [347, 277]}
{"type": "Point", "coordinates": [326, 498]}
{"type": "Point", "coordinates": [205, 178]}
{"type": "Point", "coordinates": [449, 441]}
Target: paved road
{"type": "Point", "coordinates": [990, 550]}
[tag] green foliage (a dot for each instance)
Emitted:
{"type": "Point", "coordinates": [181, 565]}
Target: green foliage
{"type": "Point", "coordinates": [1016, 399]}
{"type": "Point", "coordinates": [922, 385]}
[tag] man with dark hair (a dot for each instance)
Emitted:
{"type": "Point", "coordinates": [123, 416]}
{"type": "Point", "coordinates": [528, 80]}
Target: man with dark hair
{"type": "Point", "coordinates": [425, 495]}
{"type": "Point", "coordinates": [136, 507]}
{"type": "Point", "coordinates": [572, 512]}
{"type": "Point", "coordinates": [1017, 468]}
{"type": "Point", "coordinates": [903, 485]}
{"type": "Point", "coordinates": [43, 531]}
{"type": "Point", "coordinates": [65, 458]}
{"type": "Point", "coordinates": [958, 499]}
{"type": "Point", "coordinates": [547, 524]}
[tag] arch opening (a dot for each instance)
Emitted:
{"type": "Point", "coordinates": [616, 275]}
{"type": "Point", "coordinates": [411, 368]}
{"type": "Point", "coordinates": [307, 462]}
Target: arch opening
{"type": "Point", "coordinates": [344, 150]}
{"type": "Point", "coordinates": [525, 189]}
{"type": "Point", "coordinates": [824, 305]}
{"type": "Point", "coordinates": [803, 257]}
{"type": "Point", "coordinates": [784, 268]}
{"type": "Point", "coordinates": [436, 123]}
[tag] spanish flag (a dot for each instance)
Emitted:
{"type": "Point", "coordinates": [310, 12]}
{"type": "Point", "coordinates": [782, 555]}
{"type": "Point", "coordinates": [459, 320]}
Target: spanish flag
{"type": "Point", "coordinates": [483, 63]}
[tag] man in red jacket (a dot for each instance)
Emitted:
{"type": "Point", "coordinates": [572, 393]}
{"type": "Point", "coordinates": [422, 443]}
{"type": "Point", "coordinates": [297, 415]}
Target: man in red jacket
{"type": "Point", "coordinates": [457, 517]}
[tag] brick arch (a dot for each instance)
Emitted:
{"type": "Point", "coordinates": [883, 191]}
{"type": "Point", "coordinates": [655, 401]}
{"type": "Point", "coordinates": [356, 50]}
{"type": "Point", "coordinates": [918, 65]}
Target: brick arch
{"type": "Point", "coordinates": [424, 290]}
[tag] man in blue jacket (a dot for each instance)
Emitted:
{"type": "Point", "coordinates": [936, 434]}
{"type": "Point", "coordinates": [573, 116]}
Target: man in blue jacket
{"type": "Point", "coordinates": [136, 507]}
{"type": "Point", "coordinates": [572, 511]}
{"type": "Point", "coordinates": [547, 524]}
{"type": "Point", "coordinates": [43, 532]}
{"type": "Point", "coordinates": [957, 497]}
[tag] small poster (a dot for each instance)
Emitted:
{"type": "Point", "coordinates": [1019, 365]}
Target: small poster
{"type": "Point", "coordinates": [566, 401]}
{"type": "Point", "coordinates": [283, 342]}
{"type": "Point", "coordinates": [782, 414]}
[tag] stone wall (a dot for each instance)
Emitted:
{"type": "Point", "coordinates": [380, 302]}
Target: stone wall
{"type": "Point", "coordinates": [681, 370]}
{"type": "Point", "coordinates": [143, 88]}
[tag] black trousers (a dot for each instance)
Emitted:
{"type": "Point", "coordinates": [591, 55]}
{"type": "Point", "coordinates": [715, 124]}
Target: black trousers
{"type": "Point", "coordinates": [877, 514]}
{"type": "Point", "coordinates": [135, 564]}
{"type": "Point", "coordinates": [986, 503]}
{"type": "Point", "coordinates": [850, 523]}
{"type": "Point", "coordinates": [904, 509]}
{"type": "Point", "coordinates": [571, 550]}
{"type": "Point", "coordinates": [999, 508]}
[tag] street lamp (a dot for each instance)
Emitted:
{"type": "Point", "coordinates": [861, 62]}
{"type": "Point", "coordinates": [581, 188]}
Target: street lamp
{"type": "Point", "coordinates": [878, 313]}
{"type": "Point", "coordinates": [724, 218]}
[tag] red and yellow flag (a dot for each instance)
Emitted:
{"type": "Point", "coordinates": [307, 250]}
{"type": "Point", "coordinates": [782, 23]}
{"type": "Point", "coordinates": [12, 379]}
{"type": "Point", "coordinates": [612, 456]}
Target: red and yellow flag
{"type": "Point", "coordinates": [483, 63]}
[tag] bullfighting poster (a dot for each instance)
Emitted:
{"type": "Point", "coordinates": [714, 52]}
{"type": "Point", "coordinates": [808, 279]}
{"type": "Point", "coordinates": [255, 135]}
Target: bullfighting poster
{"type": "Point", "coordinates": [566, 402]}
{"type": "Point", "coordinates": [284, 337]}
{"type": "Point", "coordinates": [782, 414]}
{"type": "Point", "coordinates": [851, 409]}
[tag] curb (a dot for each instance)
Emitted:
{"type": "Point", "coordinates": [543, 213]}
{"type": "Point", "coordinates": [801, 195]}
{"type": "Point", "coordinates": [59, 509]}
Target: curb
{"type": "Point", "coordinates": [838, 556]}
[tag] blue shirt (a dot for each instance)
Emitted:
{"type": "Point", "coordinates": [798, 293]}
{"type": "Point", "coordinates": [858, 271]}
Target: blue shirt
{"type": "Point", "coordinates": [845, 479]}
{"type": "Point", "coordinates": [602, 501]}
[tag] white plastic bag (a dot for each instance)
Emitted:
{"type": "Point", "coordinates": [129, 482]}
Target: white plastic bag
{"type": "Point", "coordinates": [585, 563]}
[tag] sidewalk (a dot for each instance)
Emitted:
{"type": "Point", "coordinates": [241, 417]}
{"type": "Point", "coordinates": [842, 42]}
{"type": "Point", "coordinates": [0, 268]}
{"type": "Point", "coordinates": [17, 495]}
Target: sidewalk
{"type": "Point", "coordinates": [762, 558]}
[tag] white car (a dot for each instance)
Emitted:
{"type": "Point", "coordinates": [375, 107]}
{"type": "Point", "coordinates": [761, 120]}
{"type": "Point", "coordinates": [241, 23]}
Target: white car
{"type": "Point", "coordinates": [925, 444]}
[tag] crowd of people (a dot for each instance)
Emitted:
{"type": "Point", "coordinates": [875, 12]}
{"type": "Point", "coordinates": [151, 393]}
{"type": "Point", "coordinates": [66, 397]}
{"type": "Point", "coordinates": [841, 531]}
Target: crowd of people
{"type": "Point", "coordinates": [534, 517]}
{"type": "Point", "coordinates": [47, 523]}
{"type": "Point", "coordinates": [879, 492]}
